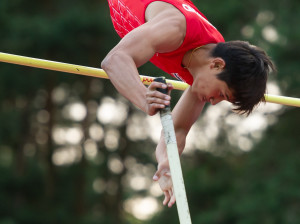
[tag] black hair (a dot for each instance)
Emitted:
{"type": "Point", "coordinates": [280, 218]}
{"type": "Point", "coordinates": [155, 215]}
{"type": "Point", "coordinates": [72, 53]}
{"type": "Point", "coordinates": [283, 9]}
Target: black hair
{"type": "Point", "coordinates": [246, 71]}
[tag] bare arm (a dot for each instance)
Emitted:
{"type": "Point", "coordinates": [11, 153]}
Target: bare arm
{"type": "Point", "coordinates": [164, 32]}
{"type": "Point", "coordinates": [184, 115]}
{"type": "Point", "coordinates": [186, 112]}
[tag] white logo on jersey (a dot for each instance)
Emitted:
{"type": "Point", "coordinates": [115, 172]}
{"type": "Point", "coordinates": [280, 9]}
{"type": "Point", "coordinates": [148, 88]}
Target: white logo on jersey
{"type": "Point", "coordinates": [177, 76]}
{"type": "Point", "coordinates": [190, 9]}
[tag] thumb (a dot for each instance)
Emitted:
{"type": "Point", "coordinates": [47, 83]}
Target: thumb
{"type": "Point", "coordinates": [170, 88]}
{"type": "Point", "coordinates": [157, 173]}
{"type": "Point", "coordinates": [160, 172]}
{"type": "Point", "coordinates": [168, 174]}
{"type": "Point", "coordinates": [156, 176]}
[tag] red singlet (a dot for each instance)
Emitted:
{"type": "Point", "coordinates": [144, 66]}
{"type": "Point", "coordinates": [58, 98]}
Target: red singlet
{"type": "Point", "coordinates": [126, 15]}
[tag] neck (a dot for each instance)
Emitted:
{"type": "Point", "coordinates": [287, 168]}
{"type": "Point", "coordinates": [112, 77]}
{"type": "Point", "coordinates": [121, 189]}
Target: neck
{"type": "Point", "coordinates": [197, 57]}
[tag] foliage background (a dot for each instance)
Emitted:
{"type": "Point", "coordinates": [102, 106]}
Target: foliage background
{"type": "Point", "coordinates": [92, 170]}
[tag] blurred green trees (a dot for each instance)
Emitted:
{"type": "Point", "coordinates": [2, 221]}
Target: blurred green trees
{"type": "Point", "coordinates": [73, 151]}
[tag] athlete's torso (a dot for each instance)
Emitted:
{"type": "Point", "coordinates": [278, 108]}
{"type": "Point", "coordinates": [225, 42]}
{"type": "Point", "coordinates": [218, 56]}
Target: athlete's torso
{"type": "Point", "coordinates": [129, 14]}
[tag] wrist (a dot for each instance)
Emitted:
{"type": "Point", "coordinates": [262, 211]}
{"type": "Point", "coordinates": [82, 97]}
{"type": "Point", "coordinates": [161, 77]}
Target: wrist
{"type": "Point", "coordinates": [161, 156]}
{"type": "Point", "coordinates": [161, 151]}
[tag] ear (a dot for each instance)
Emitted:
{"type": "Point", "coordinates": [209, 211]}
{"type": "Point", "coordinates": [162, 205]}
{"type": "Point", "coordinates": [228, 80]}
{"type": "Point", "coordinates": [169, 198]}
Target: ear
{"type": "Point", "coordinates": [218, 63]}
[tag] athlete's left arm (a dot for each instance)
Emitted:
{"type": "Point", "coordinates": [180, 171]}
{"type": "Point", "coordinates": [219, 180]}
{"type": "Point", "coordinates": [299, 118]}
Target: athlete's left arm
{"type": "Point", "coordinates": [184, 115]}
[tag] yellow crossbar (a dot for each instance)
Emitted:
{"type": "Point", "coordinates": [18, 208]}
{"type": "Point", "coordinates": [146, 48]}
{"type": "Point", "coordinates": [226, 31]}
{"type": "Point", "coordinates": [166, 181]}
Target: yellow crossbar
{"type": "Point", "coordinates": [99, 73]}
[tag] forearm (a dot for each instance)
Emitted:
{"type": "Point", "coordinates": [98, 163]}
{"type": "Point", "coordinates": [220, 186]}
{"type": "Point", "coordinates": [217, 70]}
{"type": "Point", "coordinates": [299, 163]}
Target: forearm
{"type": "Point", "coordinates": [184, 115]}
{"type": "Point", "coordinates": [161, 152]}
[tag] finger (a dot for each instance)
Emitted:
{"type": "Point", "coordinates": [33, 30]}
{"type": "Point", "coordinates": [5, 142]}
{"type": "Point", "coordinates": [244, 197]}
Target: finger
{"type": "Point", "coordinates": [152, 89]}
{"type": "Point", "coordinates": [168, 174]}
{"type": "Point", "coordinates": [167, 197]}
{"type": "Point", "coordinates": [170, 88]}
{"type": "Point", "coordinates": [152, 111]}
{"type": "Point", "coordinates": [156, 85]}
{"type": "Point", "coordinates": [172, 201]}
{"type": "Point", "coordinates": [171, 196]}
{"type": "Point", "coordinates": [156, 176]}
{"type": "Point", "coordinates": [162, 169]}
{"type": "Point", "coordinates": [170, 193]}
{"type": "Point", "coordinates": [157, 95]}
{"type": "Point", "coordinates": [156, 100]}
{"type": "Point", "coordinates": [155, 107]}
{"type": "Point", "coordinates": [159, 172]}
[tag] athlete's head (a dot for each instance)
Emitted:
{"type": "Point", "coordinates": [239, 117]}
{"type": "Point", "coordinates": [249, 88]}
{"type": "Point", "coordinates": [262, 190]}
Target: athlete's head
{"type": "Point", "coordinates": [245, 72]}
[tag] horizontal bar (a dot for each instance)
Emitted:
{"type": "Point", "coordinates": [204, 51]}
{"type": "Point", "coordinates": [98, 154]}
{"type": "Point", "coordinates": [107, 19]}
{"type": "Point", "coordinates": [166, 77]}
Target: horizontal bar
{"type": "Point", "coordinates": [100, 73]}
{"type": "Point", "coordinates": [284, 100]}
{"type": "Point", "coordinates": [74, 69]}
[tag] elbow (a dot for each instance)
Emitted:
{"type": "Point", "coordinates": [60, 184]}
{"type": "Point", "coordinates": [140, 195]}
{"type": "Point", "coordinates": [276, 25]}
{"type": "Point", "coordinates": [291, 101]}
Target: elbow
{"type": "Point", "coordinates": [112, 60]}
{"type": "Point", "coordinates": [106, 63]}
{"type": "Point", "coordinates": [109, 61]}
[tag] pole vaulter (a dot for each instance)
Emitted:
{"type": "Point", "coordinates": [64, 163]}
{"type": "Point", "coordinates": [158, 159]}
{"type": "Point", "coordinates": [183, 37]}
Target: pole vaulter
{"type": "Point", "coordinates": [165, 114]}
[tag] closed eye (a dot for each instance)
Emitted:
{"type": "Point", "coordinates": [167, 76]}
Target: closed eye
{"type": "Point", "coordinates": [225, 96]}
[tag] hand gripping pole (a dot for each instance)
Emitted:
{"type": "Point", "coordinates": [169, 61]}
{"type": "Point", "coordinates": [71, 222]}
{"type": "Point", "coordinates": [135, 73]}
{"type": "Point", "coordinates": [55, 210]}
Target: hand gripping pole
{"type": "Point", "coordinates": [174, 161]}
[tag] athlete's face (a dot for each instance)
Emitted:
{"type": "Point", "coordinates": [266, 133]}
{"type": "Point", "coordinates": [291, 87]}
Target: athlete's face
{"type": "Point", "coordinates": [209, 88]}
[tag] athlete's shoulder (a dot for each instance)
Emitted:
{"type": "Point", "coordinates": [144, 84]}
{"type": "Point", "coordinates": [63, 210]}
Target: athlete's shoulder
{"type": "Point", "coordinates": [166, 25]}
{"type": "Point", "coordinates": [158, 8]}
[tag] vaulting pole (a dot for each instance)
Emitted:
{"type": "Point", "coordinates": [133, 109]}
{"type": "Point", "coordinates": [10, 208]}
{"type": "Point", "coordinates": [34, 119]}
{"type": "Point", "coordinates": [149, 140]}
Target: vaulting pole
{"type": "Point", "coordinates": [174, 161]}
{"type": "Point", "coordinates": [99, 73]}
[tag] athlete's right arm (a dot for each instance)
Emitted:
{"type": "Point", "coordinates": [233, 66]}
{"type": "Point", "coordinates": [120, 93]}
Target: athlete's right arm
{"type": "Point", "coordinates": [162, 33]}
